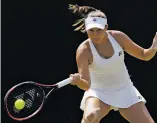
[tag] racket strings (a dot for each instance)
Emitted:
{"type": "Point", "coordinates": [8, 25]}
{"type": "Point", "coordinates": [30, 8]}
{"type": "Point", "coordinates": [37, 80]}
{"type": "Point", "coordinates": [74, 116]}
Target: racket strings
{"type": "Point", "coordinates": [33, 97]}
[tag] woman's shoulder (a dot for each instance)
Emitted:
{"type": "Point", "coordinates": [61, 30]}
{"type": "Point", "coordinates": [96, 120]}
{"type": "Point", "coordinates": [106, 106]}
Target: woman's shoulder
{"type": "Point", "coordinates": [117, 35]}
{"type": "Point", "coordinates": [83, 48]}
{"type": "Point", "coordinates": [84, 45]}
{"type": "Point", "coordinates": [115, 32]}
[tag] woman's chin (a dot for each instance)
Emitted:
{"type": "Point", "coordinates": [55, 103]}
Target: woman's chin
{"type": "Point", "coordinates": [96, 41]}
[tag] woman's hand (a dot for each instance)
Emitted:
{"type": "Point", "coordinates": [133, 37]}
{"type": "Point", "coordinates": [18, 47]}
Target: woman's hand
{"type": "Point", "coordinates": [154, 44]}
{"type": "Point", "coordinates": [75, 78]}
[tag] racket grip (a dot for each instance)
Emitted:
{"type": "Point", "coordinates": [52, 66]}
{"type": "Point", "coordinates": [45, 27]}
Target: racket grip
{"type": "Point", "coordinates": [64, 82]}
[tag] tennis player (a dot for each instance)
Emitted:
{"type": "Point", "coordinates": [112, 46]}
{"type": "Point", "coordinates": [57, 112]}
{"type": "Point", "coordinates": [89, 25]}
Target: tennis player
{"type": "Point", "coordinates": [102, 71]}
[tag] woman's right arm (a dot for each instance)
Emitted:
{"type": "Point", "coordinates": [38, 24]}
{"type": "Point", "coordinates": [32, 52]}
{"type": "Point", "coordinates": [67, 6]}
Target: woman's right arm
{"type": "Point", "coordinates": [82, 78]}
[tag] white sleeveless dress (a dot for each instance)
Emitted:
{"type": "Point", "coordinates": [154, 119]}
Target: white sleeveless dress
{"type": "Point", "coordinates": [110, 81]}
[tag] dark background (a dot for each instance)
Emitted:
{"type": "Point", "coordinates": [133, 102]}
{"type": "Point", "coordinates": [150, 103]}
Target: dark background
{"type": "Point", "coordinates": [39, 44]}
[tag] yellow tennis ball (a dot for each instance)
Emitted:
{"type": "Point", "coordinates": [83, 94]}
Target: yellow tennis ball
{"type": "Point", "coordinates": [19, 104]}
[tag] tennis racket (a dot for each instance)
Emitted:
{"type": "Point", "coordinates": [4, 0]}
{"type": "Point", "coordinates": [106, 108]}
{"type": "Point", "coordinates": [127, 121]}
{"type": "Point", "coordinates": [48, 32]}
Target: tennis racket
{"type": "Point", "coordinates": [33, 95]}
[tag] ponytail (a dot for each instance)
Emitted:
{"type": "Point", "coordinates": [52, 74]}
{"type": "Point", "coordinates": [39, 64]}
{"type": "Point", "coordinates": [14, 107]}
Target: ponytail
{"type": "Point", "coordinates": [82, 12]}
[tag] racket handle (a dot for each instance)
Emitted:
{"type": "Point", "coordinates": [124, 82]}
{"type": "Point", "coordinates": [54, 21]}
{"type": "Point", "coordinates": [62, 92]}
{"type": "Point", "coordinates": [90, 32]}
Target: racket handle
{"type": "Point", "coordinates": [64, 82]}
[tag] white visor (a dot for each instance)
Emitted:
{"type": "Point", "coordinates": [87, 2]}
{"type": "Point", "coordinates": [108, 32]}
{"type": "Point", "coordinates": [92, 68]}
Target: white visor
{"type": "Point", "coordinates": [95, 22]}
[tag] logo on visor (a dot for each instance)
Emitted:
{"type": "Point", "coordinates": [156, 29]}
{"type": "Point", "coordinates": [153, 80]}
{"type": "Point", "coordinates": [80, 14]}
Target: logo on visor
{"type": "Point", "coordinates": [94, 19]}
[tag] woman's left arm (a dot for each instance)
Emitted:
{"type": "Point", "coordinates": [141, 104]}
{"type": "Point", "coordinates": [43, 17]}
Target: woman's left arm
{"type": "Point", "coordinates": [134, 49]}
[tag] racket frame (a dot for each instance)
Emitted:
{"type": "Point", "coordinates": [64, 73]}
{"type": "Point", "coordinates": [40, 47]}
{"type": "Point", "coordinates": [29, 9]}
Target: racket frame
{"type": "Point", "coordinates": [43, 100]}
{"type": "Point", "coordinates": [53, 86]}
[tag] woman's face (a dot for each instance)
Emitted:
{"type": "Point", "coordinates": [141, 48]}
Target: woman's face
{"type": "Point", "coordinates": [96, 34]}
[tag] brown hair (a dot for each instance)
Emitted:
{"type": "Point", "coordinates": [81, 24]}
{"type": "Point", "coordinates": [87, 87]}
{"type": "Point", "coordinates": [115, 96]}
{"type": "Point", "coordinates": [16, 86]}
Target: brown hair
{"type": "Point", "coordinates": [84, 12]}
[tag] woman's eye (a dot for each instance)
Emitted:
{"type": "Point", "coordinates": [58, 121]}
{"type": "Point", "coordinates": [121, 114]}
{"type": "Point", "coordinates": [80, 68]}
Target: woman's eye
{"type": "Point", "coordinates": [97, 30]}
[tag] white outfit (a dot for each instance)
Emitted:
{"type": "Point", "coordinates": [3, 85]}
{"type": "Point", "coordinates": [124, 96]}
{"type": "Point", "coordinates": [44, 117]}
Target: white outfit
{"type": "Point", "coordinates": [110, 81]}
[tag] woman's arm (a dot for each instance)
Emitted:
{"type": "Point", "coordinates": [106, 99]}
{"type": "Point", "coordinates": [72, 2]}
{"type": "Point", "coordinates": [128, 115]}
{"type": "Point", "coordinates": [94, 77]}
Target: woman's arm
{"type": "Point", "coordinates": [134, 49]}
{"type": "Point", "coordinates": [82, 79]}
